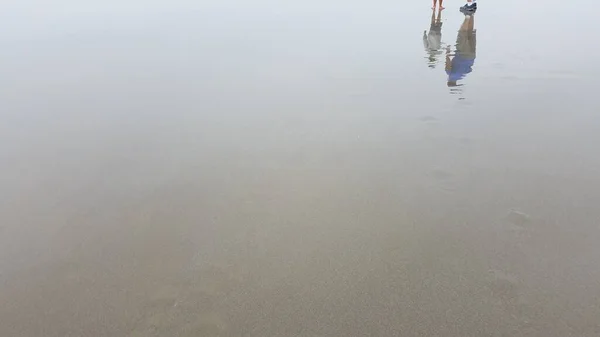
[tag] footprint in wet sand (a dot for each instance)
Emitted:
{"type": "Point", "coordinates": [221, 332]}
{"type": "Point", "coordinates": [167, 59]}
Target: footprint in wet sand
{"type": "Point", "coordinates": [188, 306]}
{"type": "Point", "coordinates": [518, 218]}
{"type": "Point", "coordinates": [217, 279]}
{"type": "Point", "coordinates": [443, 180]}
{"type": "Point", "coordinates": [440, 174]}
{"type": "Point", "coordinates": [466, 141]}
{"type": "Point", "coordinates": [165, 296]}
{"type": "Point", "coordinates": [210, 325]}
{"type": "Point", "coordinates": [428, 119]}
{"type": "Point", "coordinates": [503, 286]}
{"type": "Point", "coordinates": [172, 309]}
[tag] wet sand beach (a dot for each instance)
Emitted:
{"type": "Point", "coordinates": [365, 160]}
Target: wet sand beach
{"type": "Point", "coordinates": [231, 168]}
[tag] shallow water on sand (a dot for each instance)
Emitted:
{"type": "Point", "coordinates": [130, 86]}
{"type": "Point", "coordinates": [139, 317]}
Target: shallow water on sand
{"type": "Point", "coordinates": [234, 168]}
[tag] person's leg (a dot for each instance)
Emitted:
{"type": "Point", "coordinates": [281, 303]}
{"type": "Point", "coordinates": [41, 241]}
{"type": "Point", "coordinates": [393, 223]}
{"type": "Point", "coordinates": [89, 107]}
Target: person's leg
{"type": "Point", "coordinates": [434, 4]}
{"type": "Point", "coordinates": [441, 4]}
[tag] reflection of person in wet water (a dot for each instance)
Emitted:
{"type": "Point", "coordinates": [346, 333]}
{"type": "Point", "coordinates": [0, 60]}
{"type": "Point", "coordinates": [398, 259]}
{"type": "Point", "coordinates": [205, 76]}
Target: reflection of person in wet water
{"type": "Point", "coordinates": [466, 43]}
{"type": "Point", "coordinates": [433, 40]}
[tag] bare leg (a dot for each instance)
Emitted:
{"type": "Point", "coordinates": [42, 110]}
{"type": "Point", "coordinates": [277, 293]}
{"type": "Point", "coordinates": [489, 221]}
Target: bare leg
{"type": "Point", "coordinates": [441, 4]}
{"type": "Point", "coordinates": [434, 4]}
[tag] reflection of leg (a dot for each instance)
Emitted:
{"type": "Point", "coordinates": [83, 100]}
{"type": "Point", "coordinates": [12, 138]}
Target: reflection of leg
{"type": "Point", "coordinates": [467, 23]}
{"type": "Point", "coordinates": [432, 18]}
{"type": "Point", "coordinates": [472, 35]}
{"type": "Point", "coordinates": [439, 16]}
{"type": "Point", "coordinates": [466, 40]}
